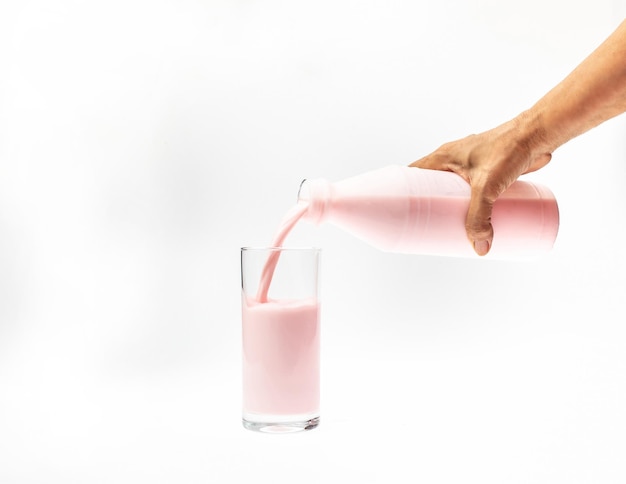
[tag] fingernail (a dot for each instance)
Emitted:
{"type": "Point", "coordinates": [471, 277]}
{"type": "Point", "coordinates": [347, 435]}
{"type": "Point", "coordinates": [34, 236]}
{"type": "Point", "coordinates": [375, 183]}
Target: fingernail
{"type": "Point", "coordinates": [481, 246]}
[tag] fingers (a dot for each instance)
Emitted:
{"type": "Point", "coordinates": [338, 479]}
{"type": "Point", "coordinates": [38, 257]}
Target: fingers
{"type": "Point", "coordinates": [445, 158]}
{"type": "Point", "coordinates": [440, 159]}
{"type": "Point", "coordinates": [478, 222]}
{"type": "Point", "coordinates": [486, 166]}
{"type": "Point", "coordinates": [432, 162]}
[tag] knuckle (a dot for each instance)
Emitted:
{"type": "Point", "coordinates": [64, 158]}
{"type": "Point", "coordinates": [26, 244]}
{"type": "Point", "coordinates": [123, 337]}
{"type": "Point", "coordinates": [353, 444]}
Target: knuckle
{"type": "Point", "coordinates": [480, 229]}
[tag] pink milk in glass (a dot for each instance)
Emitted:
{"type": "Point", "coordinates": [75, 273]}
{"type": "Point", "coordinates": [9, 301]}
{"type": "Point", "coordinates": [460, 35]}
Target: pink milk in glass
{"type": "Point", "coordinates": [281, 346]}
{"type": "Point", "coordinates": [281, 360]}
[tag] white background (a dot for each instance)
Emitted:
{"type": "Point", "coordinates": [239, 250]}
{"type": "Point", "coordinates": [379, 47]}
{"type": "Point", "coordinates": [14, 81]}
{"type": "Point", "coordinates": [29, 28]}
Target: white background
{"type": "Point", "coordinates": [143, 142]}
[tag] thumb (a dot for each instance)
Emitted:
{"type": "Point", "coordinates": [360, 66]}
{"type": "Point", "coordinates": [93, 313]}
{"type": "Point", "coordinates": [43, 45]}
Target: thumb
{"type": "Point", "coordinates": [478, 223]}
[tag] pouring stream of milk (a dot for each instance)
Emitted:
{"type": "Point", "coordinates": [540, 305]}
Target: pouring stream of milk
{"type": "Point", "coordinates": [289, 221]}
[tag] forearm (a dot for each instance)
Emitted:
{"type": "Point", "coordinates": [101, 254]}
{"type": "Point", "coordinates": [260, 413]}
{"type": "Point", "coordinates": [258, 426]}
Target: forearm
{"type": "Point", "coordinates": [593, 93]}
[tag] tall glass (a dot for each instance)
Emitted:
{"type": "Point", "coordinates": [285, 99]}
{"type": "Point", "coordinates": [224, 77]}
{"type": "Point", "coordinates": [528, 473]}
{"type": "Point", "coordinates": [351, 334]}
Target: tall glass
{"type": "Point", "coordinates": [281, 338]}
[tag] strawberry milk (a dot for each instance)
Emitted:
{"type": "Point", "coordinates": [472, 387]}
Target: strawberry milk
{"type": "Point", "coordinates": [281, 361]}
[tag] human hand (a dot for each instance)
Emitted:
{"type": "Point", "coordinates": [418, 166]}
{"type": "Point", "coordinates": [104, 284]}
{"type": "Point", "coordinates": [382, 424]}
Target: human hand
{"type": "Point", "coordinates": [490, 162]}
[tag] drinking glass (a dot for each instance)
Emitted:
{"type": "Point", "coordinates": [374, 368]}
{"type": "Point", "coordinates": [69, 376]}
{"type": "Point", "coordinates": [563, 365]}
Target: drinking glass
{"type": "Point", "coordinates": [281, 338]}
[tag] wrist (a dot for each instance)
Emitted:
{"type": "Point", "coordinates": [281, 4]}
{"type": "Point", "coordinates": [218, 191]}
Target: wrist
{"type": "Point", "coordinates": [534, 133]}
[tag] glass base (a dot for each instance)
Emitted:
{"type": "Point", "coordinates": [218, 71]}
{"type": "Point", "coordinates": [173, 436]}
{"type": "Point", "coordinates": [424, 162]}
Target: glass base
{"type": "Point", "coordinates": [285, 427]}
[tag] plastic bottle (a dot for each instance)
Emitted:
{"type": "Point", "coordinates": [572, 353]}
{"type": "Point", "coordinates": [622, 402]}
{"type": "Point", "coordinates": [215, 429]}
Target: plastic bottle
{"type": "Point", "coordinates": [418, 211]}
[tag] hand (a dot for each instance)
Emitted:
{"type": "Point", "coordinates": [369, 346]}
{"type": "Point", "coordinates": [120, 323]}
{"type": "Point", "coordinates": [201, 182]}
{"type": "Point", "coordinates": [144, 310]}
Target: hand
{"type": "Point", "coordinates": [490, 162]}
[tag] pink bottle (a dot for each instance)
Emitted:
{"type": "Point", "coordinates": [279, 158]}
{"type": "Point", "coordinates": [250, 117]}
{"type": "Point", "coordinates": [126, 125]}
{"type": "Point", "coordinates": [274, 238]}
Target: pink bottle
{"type": "Point", "coordinates": [418, 211]}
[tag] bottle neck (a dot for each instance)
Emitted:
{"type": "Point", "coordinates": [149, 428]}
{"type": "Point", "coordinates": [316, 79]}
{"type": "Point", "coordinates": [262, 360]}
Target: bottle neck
{"type": "Point", "coordinates": [316, 194]}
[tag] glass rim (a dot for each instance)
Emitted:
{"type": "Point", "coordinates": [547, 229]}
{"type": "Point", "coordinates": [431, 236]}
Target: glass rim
{"type": "Point", "coordinates": [281, 249]}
